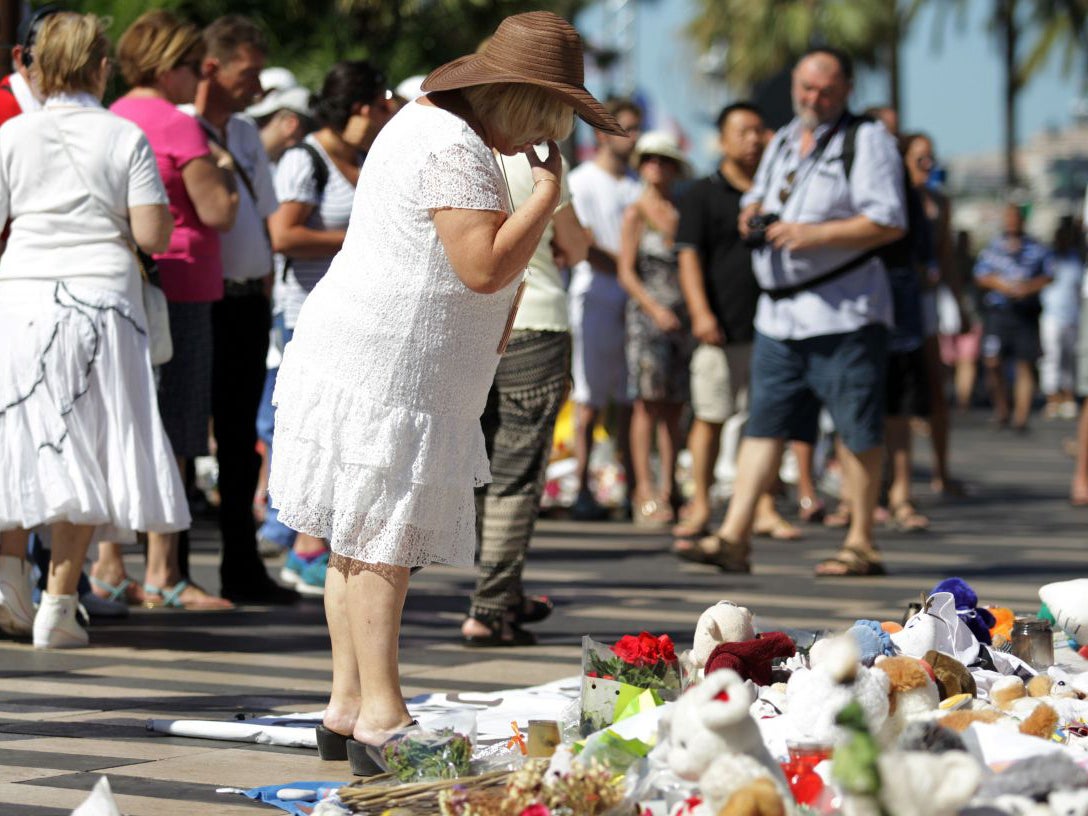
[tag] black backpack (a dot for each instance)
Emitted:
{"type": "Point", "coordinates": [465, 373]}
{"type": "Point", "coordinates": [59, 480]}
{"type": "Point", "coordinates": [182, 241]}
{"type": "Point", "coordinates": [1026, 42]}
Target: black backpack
{"type": "Point", "coordinates": [904, 252]}
{"type": "Point", "coordinates": [321, 177]}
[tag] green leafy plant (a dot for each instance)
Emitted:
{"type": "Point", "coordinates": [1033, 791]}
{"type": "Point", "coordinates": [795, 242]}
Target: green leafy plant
{"type": "Point", "coordinates": [440, 754]}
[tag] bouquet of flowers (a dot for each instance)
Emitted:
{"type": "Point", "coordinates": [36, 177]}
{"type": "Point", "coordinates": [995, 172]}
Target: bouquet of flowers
{"type": "Point", "coordinates": [418, 755]}
{"type": "Point", "coordinates": [620, 680]}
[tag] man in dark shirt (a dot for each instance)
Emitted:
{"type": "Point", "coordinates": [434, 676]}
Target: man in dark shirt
{"type": "Point", "coordinates": [721, 294]}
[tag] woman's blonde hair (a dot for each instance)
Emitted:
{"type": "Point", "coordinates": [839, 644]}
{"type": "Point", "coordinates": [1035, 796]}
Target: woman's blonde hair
{"type": "Point", "coordinates": [521, 112]}
{"type": "Point", "coordinates": [68, 53]}
{"type": "Point", "coordinates": [157, 42]}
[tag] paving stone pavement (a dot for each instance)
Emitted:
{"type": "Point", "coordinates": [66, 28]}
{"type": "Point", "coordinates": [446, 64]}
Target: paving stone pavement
{"type": "Point", "coordinates": [68, 717]}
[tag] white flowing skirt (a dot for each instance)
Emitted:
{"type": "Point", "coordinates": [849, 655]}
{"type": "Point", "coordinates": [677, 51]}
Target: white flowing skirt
{"type": "Point", "coordinates": [80, 435]}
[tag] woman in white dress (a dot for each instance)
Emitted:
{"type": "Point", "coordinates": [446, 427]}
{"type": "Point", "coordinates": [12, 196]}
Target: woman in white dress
{"type": "Point", "coordinates": [378, 446]}
{"type": "Point", "coordinates": [83, 448]}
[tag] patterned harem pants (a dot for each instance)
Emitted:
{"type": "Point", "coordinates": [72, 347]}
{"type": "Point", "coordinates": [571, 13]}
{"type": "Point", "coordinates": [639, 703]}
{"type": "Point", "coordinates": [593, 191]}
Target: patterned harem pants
{"type": "Point", "coordinates": [530, 386]}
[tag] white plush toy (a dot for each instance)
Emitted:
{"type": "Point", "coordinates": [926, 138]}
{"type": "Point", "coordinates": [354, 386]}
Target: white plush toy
{"type": "Point", "coordinates": [937, 627]}
{"type": "Point", "coordinates": [815, 695]}
{"type": "Point", "coordinates": [917, 783]}
{"type": "Point", "coordinates": [912, 695]}
{"type": "Point", "coordinates": [711, 722]}
{"type": "Point", "coordinates": [1068, 603]}
{"type": "Point", "coordinates": [725, 622]}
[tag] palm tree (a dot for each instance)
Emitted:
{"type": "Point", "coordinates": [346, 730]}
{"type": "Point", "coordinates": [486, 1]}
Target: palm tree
{"type": "Point", "coordinates": [764, 37]}
{"type": "Point", "coordinates": [1052, 23]}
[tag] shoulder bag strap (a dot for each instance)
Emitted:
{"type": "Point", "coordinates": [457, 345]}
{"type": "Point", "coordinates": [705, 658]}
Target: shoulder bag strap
{"type": "Point", "coordinates": [241, 171]}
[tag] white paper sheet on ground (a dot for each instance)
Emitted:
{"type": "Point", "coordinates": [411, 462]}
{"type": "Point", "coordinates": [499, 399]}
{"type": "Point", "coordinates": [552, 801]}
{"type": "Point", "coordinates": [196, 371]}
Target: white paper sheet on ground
{"type": "Point", "coordinates": [997, 747]}
{"type": "Point", "coordinates": [100, 802]}
{"type": "Point", "coordinates": [495, 711]}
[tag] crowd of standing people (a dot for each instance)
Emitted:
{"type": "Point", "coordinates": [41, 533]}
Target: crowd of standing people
{"type": "Point", "coordinates": [350, 333]}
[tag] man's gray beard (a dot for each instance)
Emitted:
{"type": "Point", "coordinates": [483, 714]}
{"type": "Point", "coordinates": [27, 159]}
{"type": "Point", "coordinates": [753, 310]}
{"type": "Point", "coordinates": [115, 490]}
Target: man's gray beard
{"type": "Point", "coordinates": [809, 120]}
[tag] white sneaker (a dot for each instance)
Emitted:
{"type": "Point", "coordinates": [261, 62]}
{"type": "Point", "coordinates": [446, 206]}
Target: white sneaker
{"type": "Point", "coordinates": [16, 605]}
{"type": "Point", "coordinates": [55, 625]}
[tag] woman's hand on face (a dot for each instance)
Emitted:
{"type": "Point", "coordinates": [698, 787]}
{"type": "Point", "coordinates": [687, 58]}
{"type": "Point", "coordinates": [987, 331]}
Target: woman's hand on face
{"type": "Point", "coordinates": [550, 169]}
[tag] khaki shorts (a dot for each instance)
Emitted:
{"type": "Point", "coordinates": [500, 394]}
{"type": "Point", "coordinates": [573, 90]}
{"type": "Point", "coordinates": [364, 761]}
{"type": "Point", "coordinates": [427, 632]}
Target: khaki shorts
{"type": "Point", "coordinates": [719, 381]}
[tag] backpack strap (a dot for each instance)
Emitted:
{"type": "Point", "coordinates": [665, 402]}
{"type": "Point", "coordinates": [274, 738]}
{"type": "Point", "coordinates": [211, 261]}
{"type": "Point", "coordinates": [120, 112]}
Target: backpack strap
{"type": "Point", "coordinates": [321, 180]}
{"type": "Point", "coordinates": [850, 141]}
{"type": "Point", "coordinates": [320, 169]}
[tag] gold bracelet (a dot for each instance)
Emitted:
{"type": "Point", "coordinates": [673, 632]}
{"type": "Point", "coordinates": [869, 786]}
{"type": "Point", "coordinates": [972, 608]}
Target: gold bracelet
{"type": "Point", "coordinates": [541, 181]}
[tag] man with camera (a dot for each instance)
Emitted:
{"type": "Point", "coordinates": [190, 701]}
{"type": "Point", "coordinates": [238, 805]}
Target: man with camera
{"type": "Point", "coordinates": [822, 320]}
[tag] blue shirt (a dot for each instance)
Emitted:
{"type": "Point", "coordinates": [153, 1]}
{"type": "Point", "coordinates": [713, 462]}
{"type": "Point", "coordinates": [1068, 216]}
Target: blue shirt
{"type": "Point", "coordinates": [999, 260]}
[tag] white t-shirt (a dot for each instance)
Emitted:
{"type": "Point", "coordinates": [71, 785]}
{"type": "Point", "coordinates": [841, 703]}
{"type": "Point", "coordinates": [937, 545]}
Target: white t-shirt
{"type": "Point", "coordinates": [246, 251]}
{"type": "Point", "coordinates": [295, 181]}
{"type": "Point", "coordinates": [544, 301]}
{"type": "Point", "coordinates": [600, 200]}
{"type": "Point", "coordinates": [60, 229]}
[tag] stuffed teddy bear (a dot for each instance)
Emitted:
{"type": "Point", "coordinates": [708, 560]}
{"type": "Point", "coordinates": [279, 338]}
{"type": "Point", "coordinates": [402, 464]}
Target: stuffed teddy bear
{"type": "Point", "coordinates": [977, 620]}
{"type": "Point", "coordinates": [916, 783]}
{"type": "Point", "coordinates": [912, 694]}
{"type": "Point", "coordinates": [725, 622]}
{"type": "Point", "coordinates": [873, 641]}
{"type": "Point", "coordinates": [738, 785]}
{"type": "Point", "coordinates": [752, 659]}
{"type": "Point", "coordinates": [711, 722]}
{"type": "Point", "coordinates": [815, 695]}
{"type": "Point", "coordinates": [938, 627]}
{"type": "Point", "coordinates": [952, 676]}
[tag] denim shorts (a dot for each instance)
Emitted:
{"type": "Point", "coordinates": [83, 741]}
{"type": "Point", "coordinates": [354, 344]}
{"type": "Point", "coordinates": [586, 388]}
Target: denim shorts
{"type": "Point", "coordinates": [845, 373]}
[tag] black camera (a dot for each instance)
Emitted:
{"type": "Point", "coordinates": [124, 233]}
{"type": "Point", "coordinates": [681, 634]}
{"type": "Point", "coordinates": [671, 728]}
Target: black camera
{"type": "Point", "coordinates": [757, 229]}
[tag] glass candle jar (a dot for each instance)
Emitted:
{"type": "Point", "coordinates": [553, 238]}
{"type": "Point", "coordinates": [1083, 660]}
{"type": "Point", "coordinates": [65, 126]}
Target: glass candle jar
{"type": "Point", "coordinates": [1033, 642]}
{"type": "Point", "coordinates": [543, 738]}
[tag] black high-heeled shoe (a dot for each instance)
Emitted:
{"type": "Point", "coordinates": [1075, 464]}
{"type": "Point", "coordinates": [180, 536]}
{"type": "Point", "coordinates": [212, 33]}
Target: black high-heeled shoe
{"type": "Point", "coordinates": [361, 762]}
{"type": "Point", "coordinates": [330, 745]}
{"type": "Point", "coordinates": [359, 758]}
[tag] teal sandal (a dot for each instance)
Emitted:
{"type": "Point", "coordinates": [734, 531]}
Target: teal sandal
{"type": "Point", "coordinates": [171, 598]}
{"type": "Point", "coordinates": [117, 593]}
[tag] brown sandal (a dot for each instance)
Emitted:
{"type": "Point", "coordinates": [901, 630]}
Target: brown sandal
{"type": "Point", "coordinates": [839, 518]}
{"type": "Point", "coordinates": [850, 562]}
{"type": "Point", "coordinates": [729, 556]}
{"type": "Point", "coordinates": [905, 518]}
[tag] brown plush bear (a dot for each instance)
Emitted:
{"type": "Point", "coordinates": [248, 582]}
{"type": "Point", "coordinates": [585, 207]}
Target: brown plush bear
{"type": "Point", "coordinates": [952, 676]}
{"type": "Point", "coordinates": [759, 798]}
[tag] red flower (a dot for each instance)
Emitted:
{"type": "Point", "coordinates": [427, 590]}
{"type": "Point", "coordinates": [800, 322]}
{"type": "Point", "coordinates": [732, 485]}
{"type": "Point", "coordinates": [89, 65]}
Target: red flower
{"type": "Point", "coordinates": [627, 649]}
{"type": "Point", "coordinates": [668, 652]}
{"type": "Point", "coordinates": [645, 649]}
{"type": "Point", "coordinates": [536, 809]}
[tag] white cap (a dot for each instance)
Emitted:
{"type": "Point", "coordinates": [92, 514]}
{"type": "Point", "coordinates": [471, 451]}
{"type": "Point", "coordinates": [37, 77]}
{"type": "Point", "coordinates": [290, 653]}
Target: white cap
{"type": "Point", "coordinates": [292, 99]}
{"type": "Point", "coordinates": [277, 79]}
{"type": "Point", "coordinates": [410, 88]}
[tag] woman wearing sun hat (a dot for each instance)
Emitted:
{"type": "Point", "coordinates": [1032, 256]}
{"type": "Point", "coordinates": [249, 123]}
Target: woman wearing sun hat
{"type": "Point", "coordinates": [378, 446]}
{"type": "Point", "coordinates": [659, 342]}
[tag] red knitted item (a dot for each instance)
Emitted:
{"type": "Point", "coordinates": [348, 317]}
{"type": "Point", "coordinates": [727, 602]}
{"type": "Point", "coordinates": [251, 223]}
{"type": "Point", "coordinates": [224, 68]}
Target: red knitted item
{"type": "Point", "coordinates": [751, 659]}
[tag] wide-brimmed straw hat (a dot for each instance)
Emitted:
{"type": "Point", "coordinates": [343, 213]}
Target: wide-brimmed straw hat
{"type": "Point", "coordinates": [660, 143]}
{"type": "Point", "coordinates": [536, 48]}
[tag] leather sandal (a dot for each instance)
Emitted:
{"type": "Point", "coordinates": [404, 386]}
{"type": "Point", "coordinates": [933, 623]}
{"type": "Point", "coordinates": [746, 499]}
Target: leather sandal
{"type": "Point", "coordinates": [496, 637]}
{"type": "Point", "coordinates": [532, 609]}
{"type": "Point", "coordinates": [729, 556]}
{"type": "Point", "coordinates": [905, 518]}
{"type": "Point", "coordinates": [850, 562]}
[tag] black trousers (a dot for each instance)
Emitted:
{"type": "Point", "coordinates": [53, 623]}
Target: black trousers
{"type": "Point", "coordinates": [240, 326]}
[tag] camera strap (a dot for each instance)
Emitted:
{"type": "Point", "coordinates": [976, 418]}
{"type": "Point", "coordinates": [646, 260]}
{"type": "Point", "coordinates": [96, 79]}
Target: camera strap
{"type": "Point", "coordinates": [784, 292]}
{"type": "Point", "coordinates": [813, 159]}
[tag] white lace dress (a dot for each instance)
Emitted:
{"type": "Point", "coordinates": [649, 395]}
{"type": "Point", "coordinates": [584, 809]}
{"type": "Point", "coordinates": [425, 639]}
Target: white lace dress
{"type": "Point", "coordinates": [378, 446]}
